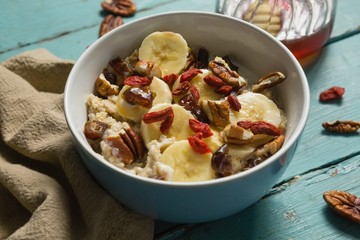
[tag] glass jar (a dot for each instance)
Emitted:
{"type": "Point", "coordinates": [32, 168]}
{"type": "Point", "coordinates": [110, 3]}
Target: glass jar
{"type": "Point", "coordinates": [304, 26]}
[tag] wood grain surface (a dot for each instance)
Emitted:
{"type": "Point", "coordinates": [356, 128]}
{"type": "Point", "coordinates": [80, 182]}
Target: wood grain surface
{"type": "Point", "coordinates": [294, 208]}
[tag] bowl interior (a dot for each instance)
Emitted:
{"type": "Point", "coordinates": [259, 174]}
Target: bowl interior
{"type": "Point", "coordinates": [254, 50]}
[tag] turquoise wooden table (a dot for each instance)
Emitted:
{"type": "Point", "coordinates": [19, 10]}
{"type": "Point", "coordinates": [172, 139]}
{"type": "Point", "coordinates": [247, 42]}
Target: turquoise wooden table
{"type": "Point", "coordinates": [294, 208]}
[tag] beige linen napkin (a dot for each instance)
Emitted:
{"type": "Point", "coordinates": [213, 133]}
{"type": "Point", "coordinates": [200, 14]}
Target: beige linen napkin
{"type": "Point", "coordinates": [45, 190]}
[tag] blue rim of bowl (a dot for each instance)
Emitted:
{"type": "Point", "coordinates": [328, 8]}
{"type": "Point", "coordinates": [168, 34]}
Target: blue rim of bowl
{"type": "Point", "coordinates": [287, 144]}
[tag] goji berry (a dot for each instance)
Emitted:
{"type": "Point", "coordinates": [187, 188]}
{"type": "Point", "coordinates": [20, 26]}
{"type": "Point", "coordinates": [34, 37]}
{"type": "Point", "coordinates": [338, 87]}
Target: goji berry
{"type": "Point", "coordinates": [198, 145]}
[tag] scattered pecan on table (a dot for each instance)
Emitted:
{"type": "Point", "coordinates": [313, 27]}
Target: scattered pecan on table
{"type": "Point", "coordinates": [117, 10]}
{"type": "Point", "coordinates": [344, 203]}
{"type": "Point", "coordinates": [344, 126]}
{"type": "Point", "coordinates": [109, 23]}
{"type": "Point", "coordinates": [123, 8]}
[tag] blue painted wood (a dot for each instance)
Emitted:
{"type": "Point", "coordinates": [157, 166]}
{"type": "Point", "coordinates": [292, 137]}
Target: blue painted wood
{"type": "Point", "coordinates": [296, 210]}
{"type": "Point", "coordinates": [67, 27]}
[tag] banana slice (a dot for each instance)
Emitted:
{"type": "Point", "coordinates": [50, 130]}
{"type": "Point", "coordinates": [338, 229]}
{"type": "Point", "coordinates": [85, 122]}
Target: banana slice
{"type": "Point", "coordinates": [179, 129]}
{"type": "Point", "coordinates": [168, 50]}
{"type": "Point", "coordinates": [214, 142]}
{"type": "Point", "coordinates": [135, 112]}
{"type": "Point", "coordinates": [206, 92]}
{"type": "Point", "coordinates": [188, 165]}
{"type": "Point", "coordinates": [256, 107]}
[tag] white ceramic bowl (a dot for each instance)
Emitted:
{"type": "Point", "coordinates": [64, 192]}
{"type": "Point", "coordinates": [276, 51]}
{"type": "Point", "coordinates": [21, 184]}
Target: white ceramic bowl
{"type": "Point", "coordinates": [253, 49]}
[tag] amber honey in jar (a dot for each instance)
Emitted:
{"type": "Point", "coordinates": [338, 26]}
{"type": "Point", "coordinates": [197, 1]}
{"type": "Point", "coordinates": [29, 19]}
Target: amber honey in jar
{"type": "Point", "coordinates": [304, 26]}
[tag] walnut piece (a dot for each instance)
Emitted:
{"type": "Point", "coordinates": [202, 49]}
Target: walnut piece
{"type": "Point", "coordinates": [236, 135]}
{"type": "Point", "coordinates": [218, 112]}
{"type": "Point", "coordinates": [341, 126]}
{"type": "Point", "coordinates": [104, 88]}
{"type": "Point", "coordinates": [268, 81]}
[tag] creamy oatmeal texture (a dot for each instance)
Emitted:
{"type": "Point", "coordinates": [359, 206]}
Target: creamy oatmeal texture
{"type": "Point", "coordinates": [168, 113]}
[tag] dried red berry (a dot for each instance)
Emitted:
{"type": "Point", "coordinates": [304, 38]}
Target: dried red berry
{"type": "Point", "coordinates": [138, 81]}
{"type": "Point", "coordinates": [166, 116]}
{"type": "Point", "coordinates": [332, 93]}
{"type": "Point", "coordinates": [170, 79]}
{"type": "Point", "coordinates": [260, 127]}
{"type": "Point", "coordinates": [197, 126]}
{"type": "Point", "coordinates": [195, 93]}
{"type": "Point", "coordinates": [213, 81]}
{"type": "Point", "coordinates": [189, 75]}
{"type": "Point", "coordinates": [224, 90]}
{"type": "Point", "coordinates": [198, 145]}
{"type": "Point", "coordinates": [234, 103]}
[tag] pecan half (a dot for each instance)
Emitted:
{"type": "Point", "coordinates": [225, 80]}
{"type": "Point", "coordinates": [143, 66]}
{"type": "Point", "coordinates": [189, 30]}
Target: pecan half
{"type": "Point", "coordinates": [120, 149]}
{"type": "Point", "coordinates": [218, 112]}
{"type": "Point", "coordinates": [344, 203]}
{"type": "Point", "coordinates": [134, 141]}
{"type": "Point", "coordinates": [268, 81]}
{"type": "Point", "coordinates": [220, 68]}
{"type": "Point", "coordinates": [269, 149]}
{"type": "Point", "coordinates": [104, 88]}
{"type": "Point", "coordinates": [341, 126]}
{"type": "Point", "coordinates": [119, 7]}
{"type": "Point", "coordinates": [109, 23]}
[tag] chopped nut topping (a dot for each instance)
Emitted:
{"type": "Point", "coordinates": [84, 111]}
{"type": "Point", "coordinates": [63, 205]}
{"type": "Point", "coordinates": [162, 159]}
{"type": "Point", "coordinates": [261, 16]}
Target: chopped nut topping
{"type": "Point", "coordinates": [236, 135]}
{"type": "Point", "coordinates": [221, 69]}
{"type": "Point", "coordinates": [218, 112]}
{"type": "Point", "coordinates": [104, 88]}
{"type": "Point", "coordinates": [269, 148]}
{"type": "Point", "coordinates": [268, 81]}
{"type": "Point", "coordinates": [148, 68]}
{"type": "Point", "coordinates": [342, 126]}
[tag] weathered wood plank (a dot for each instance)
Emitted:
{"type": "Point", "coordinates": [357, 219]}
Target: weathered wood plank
{"type": "Point", "coordinates": [339, 65]}
{"type": "Point", "coordinates": [295, 210]}
{"type": "Point", "coordinates": [67, 27]}
{"type": "Point", "coordinates": [44, 23]}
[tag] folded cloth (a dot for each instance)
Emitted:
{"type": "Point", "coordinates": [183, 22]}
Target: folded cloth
{"type": "Point", "coordinates": [45, 190]}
